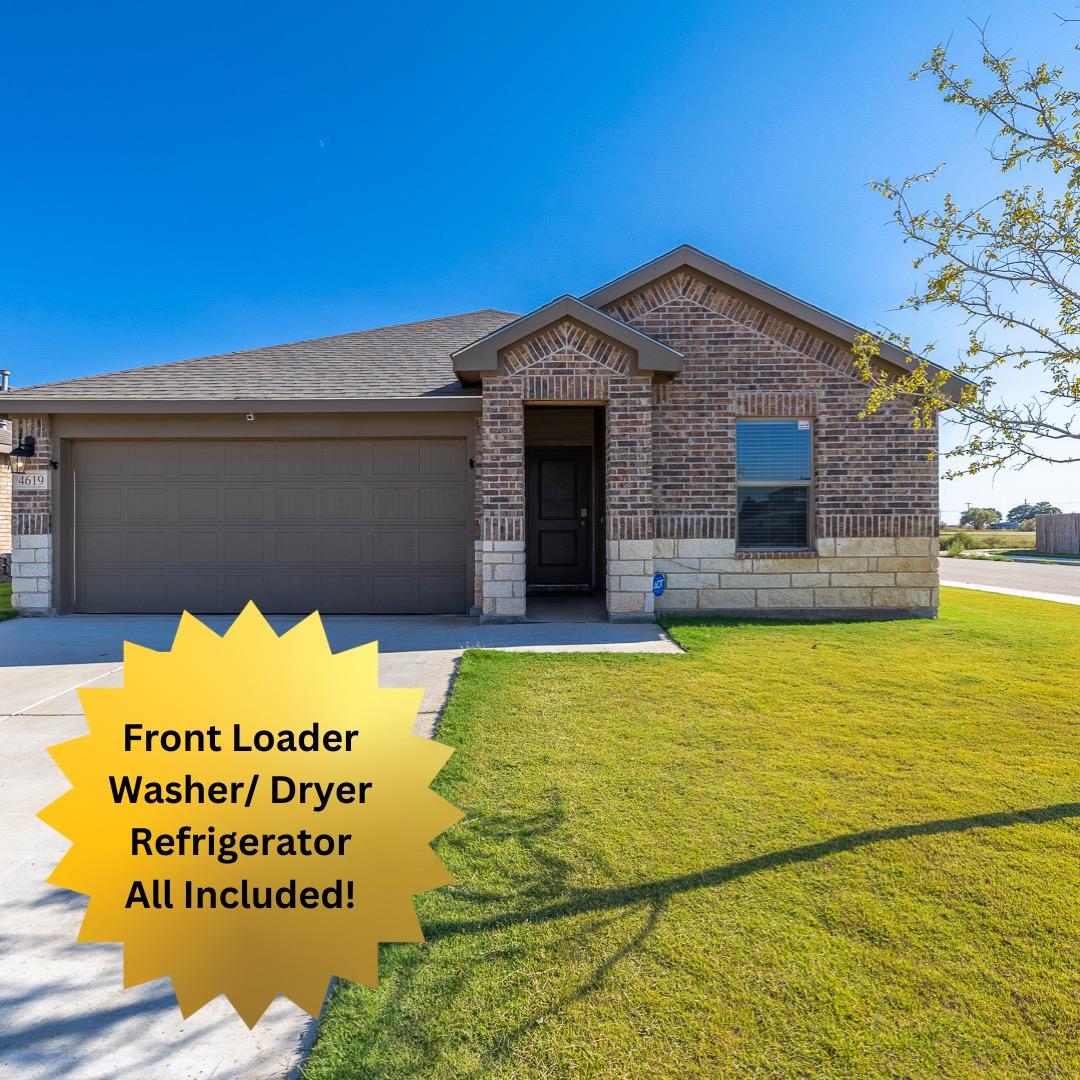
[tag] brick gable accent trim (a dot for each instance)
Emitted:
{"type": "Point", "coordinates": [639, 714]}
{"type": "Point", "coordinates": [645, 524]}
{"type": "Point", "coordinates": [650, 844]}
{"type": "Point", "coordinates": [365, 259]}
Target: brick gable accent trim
{"type": "Point", "coordinates": [564, 340]}
{"type": "Point", "coordinates": [690, 287]}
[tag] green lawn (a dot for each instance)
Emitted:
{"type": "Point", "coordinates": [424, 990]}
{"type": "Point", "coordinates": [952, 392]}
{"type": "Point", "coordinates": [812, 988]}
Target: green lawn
{"type": "Point", "coordinates": [995, 538]}
{"type": "Point", "coordinates": [6, 611]}
{"type": "Point", "coordinates": [831, 850]}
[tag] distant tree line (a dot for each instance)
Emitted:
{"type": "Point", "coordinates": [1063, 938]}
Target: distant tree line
{"type": "Point", "coordinates": [1023, 516]}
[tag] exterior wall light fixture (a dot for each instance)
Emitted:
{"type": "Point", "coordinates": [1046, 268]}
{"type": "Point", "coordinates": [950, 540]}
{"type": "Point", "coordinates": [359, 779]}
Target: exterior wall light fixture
{"type": "Point", "coordinates": [26, 449]}
{"type": "Point", "coordinates": [22, 453]}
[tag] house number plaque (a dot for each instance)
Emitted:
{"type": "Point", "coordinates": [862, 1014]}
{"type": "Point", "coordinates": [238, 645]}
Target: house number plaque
{"type": "Point", "coordinates": [38, 480]}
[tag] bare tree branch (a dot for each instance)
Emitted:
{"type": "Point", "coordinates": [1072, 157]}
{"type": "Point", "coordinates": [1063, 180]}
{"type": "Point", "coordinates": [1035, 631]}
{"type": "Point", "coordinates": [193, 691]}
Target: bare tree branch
{"type": "Point", "coordinates": [997, 264]}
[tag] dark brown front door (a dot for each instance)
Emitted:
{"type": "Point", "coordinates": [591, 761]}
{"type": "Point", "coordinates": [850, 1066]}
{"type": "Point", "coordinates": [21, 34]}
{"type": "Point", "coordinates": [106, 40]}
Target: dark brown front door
{"type": "Point", "coordinates": [559, 517]}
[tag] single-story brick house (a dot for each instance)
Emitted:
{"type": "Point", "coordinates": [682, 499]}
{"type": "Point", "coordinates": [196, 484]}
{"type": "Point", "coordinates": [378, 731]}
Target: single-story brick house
{"type": "Point", "coordinates": [685, 420]}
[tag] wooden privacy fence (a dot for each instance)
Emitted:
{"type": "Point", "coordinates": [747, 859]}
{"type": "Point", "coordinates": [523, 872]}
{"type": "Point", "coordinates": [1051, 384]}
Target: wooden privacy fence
{"type": "Point", "coordinates": [1057, 534]}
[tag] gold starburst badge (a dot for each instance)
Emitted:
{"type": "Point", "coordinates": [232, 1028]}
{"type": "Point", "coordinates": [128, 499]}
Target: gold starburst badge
{"type": "Point", "coordinates": [250, 814]}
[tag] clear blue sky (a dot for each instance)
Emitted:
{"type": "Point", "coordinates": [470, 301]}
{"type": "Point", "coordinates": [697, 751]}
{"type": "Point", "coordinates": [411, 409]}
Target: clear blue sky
{"type": "Point", "coordinates": [182, 179]}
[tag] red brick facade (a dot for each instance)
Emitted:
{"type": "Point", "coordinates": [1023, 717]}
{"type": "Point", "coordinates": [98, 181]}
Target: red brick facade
{"type": "Point", "coordinates": [671, 453]}
{"type": "Point", "coordinates": [565, 362]}
{"type": "Point", "coordinates": [31, 525]}
{"type": "Point", "coordinates": [31, 513]}
{"type": "Point", "coordinates": [872, 478]}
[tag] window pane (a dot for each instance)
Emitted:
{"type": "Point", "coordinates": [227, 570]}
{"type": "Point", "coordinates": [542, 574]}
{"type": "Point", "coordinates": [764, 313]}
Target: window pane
{"type": "Point", "coordinates": [772, 450]}
{"type": "Point", "coordinates": [773, 517]}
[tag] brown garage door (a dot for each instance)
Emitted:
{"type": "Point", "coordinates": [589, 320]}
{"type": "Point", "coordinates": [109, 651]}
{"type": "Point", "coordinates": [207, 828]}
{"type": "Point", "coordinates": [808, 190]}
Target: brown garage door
{"type": "Point", "coordinates": [346, 526]}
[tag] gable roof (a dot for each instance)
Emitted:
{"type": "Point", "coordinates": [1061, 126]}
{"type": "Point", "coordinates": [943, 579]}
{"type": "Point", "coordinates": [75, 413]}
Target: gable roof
{"type": "Point", "coordinates": [762, 291]}
{"type": "Point", "coordinates": [416, 365]}
{"type": "Point", "coordinates": [482, 357]}
{"type": "Point", "coordinates": [410, 361]}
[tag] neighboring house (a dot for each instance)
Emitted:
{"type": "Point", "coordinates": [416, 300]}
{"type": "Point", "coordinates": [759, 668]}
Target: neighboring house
{"type": "Point", "coordinates": [685, 420]}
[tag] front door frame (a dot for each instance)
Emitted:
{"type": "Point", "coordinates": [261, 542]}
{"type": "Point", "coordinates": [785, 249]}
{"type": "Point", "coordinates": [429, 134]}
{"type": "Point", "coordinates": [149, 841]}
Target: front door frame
{"type": "Point", "coordinates": [586, 467]}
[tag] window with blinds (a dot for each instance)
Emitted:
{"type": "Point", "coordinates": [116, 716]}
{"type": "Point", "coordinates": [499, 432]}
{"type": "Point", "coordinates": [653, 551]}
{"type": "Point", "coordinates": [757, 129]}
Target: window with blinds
{"type": "Point", "coordinates": [773, 460]}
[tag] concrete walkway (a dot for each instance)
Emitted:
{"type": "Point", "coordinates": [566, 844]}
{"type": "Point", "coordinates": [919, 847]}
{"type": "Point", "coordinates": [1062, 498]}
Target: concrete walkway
{"type": "Point", "coordinates": [63, 1012]}
{"type": "Point", "coordinates": [1037, 581]}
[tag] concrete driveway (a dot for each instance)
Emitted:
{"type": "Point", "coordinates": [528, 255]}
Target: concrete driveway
{"type": "Point", "coordinates": [63, 1012]}
{"type": "Point", "coordinates": [1041, 581]}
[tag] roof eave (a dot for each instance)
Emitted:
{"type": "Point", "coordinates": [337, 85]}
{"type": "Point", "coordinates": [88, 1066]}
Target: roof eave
{"type": "Point", "coordinates": [17, 406]}
{"type": "Point", "coordinates": [687, 255]}
{"type": "Point", "coordinates": [481, 358]}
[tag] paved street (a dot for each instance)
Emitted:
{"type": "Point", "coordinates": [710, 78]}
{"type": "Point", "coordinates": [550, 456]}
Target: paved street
{"type": "Point", "coordinates": [1042, 580]}
{"type": "Point", "coordinates": [63, 1012]}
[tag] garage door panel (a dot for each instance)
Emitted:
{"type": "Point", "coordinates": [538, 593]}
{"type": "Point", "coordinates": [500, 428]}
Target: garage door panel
{"type": "Point", "coordinates": [300, 461]}
{"type": "Point", "coordinates": [395, 458]}
{"type": "Point", "coordinates": [446, 590]}
{"type": "Point", "coordinates": [245, 548]}
{"type": "Point", "coordinates": [102, 545]}
{"type": "Point", "coordinates": [195, 592]}
{"type": "Point", "coordinates": [249, 459]}
{"type": "Point", "coordinates": [394, 504]}
{"type": "Point", "coordinates": [200, 459]}
{"type": "Point", "coordinates": [296, 504]}
{"type": "Point", "coordinates": [153, 460]}
{"type": "Point", "coordinates": [125, 591]}
{"type": "Point", "coordinates": [197, 548]}
{"type": "Point", "coordinates": [350, 526]}
{"type": "Point", "coordinates": [149, 548]}
{"type": "Point", "coordinates": [442, 457]}
{"type": "Point", "coordinates": [103, 458]}
{"type": "Point", "coordinates": [198, 503]}
{"type": "Point", "coordinates": [341, 548]}
{"type": "Point", "coordinates": [246, 503]}
{"type": "Point", "coordinates": [445, 548]}
{"type": "Point", "coordinates": [295, 547]}
{"type": "Point", "coordinates": [439, 504]}
{"type": "Point", "coordinates": [351, 459]}
{"type": "Point", "coordinates": [388, 590]}
{"type": "Point", "coordinates": [143, 503]}
{"type": "Point", "coordinates": [331, 587]}
{"type": "Point", "coordinates": [103, 504]}
{"type": "Point", "coordinates": [392, 548]}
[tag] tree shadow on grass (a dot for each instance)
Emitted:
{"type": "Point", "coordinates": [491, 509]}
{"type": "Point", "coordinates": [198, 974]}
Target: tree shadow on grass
{"type": "Point", "coordinates": [580, 901]}
{"type": "Point", "coordinates": [540, 893]}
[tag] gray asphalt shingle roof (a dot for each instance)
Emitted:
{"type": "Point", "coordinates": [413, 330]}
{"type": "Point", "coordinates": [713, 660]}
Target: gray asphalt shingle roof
{"type": "Point", "coordinates": [405, 361]}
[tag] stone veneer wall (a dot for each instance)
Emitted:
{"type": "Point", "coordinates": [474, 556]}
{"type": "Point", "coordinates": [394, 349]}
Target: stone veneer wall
{"type": "Point", "coordinates": [865, 575]}
{"type": "Point", "coordinates": [31, 528]}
